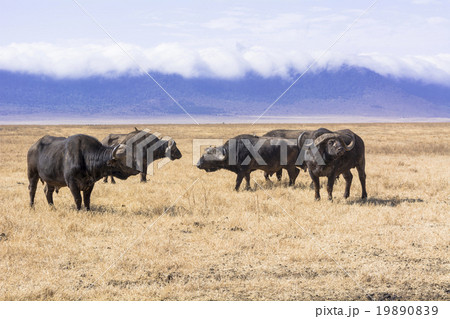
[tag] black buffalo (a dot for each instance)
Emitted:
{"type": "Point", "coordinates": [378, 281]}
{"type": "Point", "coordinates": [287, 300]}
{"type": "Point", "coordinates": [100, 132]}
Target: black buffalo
{"type": "Point", "coordinates": [282, 133]}
{"type": "Point", "coordinates": [166, 148]}
{"type": "Point", "coordinates": [337, 152]}
{"type": "Point", "coordinates": [235, 155]}
{"type": "Point", "coordinates": [77, 162]}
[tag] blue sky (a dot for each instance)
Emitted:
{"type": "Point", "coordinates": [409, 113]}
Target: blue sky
{"type": "Point", "coordinates": [405, 38]}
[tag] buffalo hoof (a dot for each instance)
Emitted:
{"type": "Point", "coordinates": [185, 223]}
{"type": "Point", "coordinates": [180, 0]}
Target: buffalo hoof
{"type": "Point", "coordinates": [317, 199]}
{"type": "Point", "coordinates": [113, 182]}
{"type": "Point", "coordinates": [144, 181]}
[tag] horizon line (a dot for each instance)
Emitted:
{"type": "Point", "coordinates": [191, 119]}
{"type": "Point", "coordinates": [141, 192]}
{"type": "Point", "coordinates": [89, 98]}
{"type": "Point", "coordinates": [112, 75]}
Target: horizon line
{"type": "Point", "coordinates": [228, 120]}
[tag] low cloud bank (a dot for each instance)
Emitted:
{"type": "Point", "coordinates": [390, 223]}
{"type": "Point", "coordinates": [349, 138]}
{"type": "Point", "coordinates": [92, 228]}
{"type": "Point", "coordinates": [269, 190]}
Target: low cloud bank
{"type": "Point", "coordinates": [171, 58]}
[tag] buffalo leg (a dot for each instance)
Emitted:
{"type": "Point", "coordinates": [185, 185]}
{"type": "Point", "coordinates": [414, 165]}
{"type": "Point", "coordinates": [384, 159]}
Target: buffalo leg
{"type": "Point", "coordinates": [33, 181]}
{"type": "Point", "coordinates": [266, 176]}
{"type": "Point", "coordinates": [348, 183]}
{"type": "Point", "coordinates": [315, 180]}
{"type": "Point", "coordinates": [48, 190]}
{"type": "Point", "coordinates": [113, 181]}
{"type": "Point", "coordinates": [293, 173]}
{"type": "Point", "coordinates": [87, 197]}
{"type": "Point", "coordinates": [362, 179]}
{"type": "Point", "coordinates": [105, 180]}
{"type": "Point", "coordinates": [247, 181]}
{"type": "Point", "coordinates": [145, 163]}
{"type": "Point", "coordinates": [330, 184]}
{"type": "Point", "coordinates": [144, 175]}
{"type": "Point", "coordinates": [239, 178]}
{"type": "Point", "coordinates": [279, 174]}
{"type": "Point", "coordinates": [75, 190]}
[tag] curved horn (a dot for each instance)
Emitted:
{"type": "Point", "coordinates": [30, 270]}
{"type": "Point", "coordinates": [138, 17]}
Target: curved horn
{"type": "Point", "coordinates": [324, 137]}
{"type": "Point", "coordinates": [135, 128]}
{"type": "Point", "coordinates": [350, 146]}
{"type": "Point", "coordinates": [115, 151]}
{"type": "Point", "coordinates": [299, 140]}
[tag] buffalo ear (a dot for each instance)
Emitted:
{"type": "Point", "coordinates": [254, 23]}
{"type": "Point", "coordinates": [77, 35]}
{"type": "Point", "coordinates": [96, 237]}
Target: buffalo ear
{"type": "Point", "coordinates": [220, 153]}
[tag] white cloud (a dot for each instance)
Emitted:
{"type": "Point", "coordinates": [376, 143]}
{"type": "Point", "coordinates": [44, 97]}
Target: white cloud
{"type": "Point", "coordinates": [223, 64]}
{"type": "Point", "coordinates": [173, 58]}
{"type": "Point", "coordinates": [80, 61]}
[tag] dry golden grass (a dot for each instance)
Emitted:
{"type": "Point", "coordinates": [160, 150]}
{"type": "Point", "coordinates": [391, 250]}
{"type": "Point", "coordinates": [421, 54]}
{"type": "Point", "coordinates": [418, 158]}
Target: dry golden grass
{"type": "Point", "coordinates": [217, 244]}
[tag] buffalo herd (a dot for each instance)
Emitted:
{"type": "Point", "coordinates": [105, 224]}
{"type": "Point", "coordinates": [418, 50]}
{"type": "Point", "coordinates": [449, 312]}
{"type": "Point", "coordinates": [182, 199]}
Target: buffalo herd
{"type": "Point", "coordinates": [79, 161]}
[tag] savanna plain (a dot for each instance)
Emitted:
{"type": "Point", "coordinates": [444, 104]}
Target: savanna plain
{"type": "Point", "coordinates": [187, 235]}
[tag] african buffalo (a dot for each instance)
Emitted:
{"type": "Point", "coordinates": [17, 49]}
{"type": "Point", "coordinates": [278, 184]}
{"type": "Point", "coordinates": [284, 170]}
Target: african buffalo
{"type": "Point", "coordinates": [77, 162]}
{"type": "Point", "coordinates": [290, 134]}
{"type": "Point", "coordinates": [246, 153]}
{"type": "Point", "coordinates": [167, 148]}
{"type": "Point", "coordinates": [337, 153]}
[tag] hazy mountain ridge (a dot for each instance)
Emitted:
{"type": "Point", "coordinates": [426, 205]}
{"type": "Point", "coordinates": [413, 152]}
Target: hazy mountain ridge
{"type": "Point", "coordinates": [347, 91]}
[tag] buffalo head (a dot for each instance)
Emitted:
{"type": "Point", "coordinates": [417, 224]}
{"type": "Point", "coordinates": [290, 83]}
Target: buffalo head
{"type": "Point", "coordinates": [118, 163]}
{"type": "Point", "coordinates": [172, 150]}
{"type": "Point", "coordinates": [334, 144]}
{"type": "Point", "coordinates": [213, 159]}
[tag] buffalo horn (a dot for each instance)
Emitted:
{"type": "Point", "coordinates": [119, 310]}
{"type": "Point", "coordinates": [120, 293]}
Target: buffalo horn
{"type": "Point", "coordinates": [348, 147]}
{"type": "Point", "coordinates": [299, 141]}
{"type": "Point", "coordinates": [324, 137]}
{"type": "Point", "coordinates": [115, 151]}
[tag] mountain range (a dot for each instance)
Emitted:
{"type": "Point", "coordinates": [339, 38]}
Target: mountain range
{"type": "Point", "coordinates": [347, 91]}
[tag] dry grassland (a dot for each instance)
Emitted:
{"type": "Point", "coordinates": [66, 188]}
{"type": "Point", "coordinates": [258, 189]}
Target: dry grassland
{"type": "Point", "coordinates": [173, 239]}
